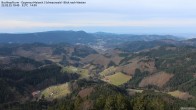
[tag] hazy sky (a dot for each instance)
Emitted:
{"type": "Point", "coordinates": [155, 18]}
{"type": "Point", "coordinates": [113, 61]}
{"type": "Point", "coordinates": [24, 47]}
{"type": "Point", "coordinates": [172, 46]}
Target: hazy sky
{"type": "Point", "coordinates": [118, 16]}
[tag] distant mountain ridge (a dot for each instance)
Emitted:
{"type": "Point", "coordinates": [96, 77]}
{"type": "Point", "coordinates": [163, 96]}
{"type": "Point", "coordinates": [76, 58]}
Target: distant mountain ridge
{"type": "Point", "coordinates": [48, 37]}
{"type": "Point", "coordinates": [136, 46]}
{"type": "Point", "coordinates": [74, 37]}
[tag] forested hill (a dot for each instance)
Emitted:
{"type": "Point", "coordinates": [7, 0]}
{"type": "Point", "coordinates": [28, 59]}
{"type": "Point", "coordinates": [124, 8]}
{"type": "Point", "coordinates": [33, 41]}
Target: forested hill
{"type": "Point", "coordinates": [74, 37]}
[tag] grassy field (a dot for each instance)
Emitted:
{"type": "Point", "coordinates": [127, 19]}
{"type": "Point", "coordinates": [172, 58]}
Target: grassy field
{"type": "Point", "coordinates": [134, 91]}
{"type": "Point", "coordinates": [55, 92]}
{"type": "Point", "coordinates": [179, 94]}
{"type": "Point", "coordinates": [117, 78]}
{"type": "Point", "coordinates": [70, 69]}
{"type": "Point", "coordinates": [108, 71]}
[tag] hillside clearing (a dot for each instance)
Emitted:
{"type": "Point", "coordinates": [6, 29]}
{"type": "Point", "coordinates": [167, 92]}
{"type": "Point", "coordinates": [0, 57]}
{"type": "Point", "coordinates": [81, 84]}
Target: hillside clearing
{"type": "Point", "coordinates": [117, 78]}
{"type": "Point", "coordinates": [180, 95]}
{"type": "Point", "coordinates": [158, 79]}
{"type": "Point", "coordinates": [55, 92]}
{"type": "Point", "coordinates": [71, 69]}
{"type": "Point", "coordinates": [108, 71]}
